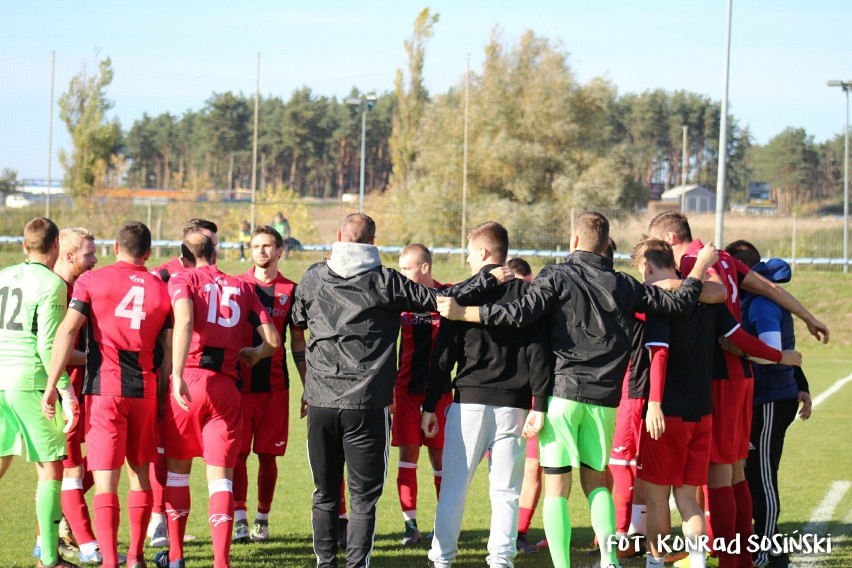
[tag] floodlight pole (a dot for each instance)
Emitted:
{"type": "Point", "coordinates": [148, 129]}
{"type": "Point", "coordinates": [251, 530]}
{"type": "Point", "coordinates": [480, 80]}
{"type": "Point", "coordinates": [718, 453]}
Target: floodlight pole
{"type": "Point", "coordinates": [50, 137]}
{"type": "Point", "coordinates": [365, 103]}
{"type": "Point", "coordinates": [845, 85]}
{"type": "Point", "coordinates": [464, 159]}
{"type": "Point", "coordinates": [363, 149]}
{"type": "Point", "coordinates": [723, 140]}
{"type": "Point", "coordinates": [683, 171]}
{"type": "Point", "coordinates": [254, 146]}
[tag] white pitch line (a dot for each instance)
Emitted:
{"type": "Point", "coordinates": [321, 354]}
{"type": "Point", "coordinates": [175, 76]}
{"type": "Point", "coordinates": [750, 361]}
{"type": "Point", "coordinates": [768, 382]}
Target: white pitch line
{"type": "Point", "coordinates": [825, 395]}
{"type": "Point", "coordinates": [823, 512]}
{"type": "Point", "coordinates": [820, 518]}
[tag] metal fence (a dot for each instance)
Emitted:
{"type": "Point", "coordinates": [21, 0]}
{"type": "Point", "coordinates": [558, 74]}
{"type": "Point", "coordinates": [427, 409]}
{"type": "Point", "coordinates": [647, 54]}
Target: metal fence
{"type": "Point", "coordinates": [540, 233]}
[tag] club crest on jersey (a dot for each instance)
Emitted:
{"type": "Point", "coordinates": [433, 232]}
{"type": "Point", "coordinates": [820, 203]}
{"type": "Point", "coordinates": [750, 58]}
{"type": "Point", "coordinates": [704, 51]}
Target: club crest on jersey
{"type": "Point", "coordinates": [137, 279]}
{"type": "Point", "coordinates": [282, 299]}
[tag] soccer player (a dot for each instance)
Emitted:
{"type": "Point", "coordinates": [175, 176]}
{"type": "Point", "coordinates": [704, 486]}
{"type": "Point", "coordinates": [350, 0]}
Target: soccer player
{"type": "Point", "coordinates": [265, 387]}
{"type": "Point", "coordinates": [351, 305]}
{"type": "Point", "coordinates": [203, 418]}
{"type": "Point", "coordinates": [157, 529]}
{"type": "Point", "coordinates": [590, 310]}
{"type": "Point", "coordinates": [728, 498]}
{"type": "Point", "coordinates": [186, 259]}
{"type": "Point", "coordinates": [498, 372]}
{"type": "Point", "coordinates": [419, 332]}
{"type": "Point", "coordinates": [678, 422]}
{"type": "Point", "coordinates": [128, 309]}
{"type": "Point", "coordinates": [33, 301]}
{"type": "Point", "coordinates": [531, 487]}
{"type": "Point", "coordinates": [778, 391]}
{"type": "Point", "coordinates": [76, 256]}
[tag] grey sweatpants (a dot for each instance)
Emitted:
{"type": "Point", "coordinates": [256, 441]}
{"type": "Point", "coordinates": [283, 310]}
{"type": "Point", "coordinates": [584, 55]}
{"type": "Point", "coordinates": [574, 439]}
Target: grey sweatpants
{"type": "Point", "coordinates": [471, 430]}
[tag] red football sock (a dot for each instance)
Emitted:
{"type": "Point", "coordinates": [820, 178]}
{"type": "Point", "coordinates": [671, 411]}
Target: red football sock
{"type": "Point", "coordinates": [107, 514]}
{"type": "Point", "coordinates": [742, 498]}
{"type": "Point", "coordinates": [77, 512]}
{"type": "Point", "coordinates": [267, 477]}
{"type": "Point", "coordinates": [157, 473]}
{"type": "Point", "coordinates": [177, 511]}
{"type": "Point", "coordinates": [139, 505]}
{"type": "Point", "coordinates": [221, 516]}
{"type": "Point", "coordinates": [723, 508]}
{"type": "Point", "coordinates": [524, 519]}
{"type": "Point", "coordinates": [241, 482]}
{"type": "Point", "coordinates": [406, 483]}
{"type": "Point", "coordinates": [439, 475]}
{"type": "Point", "coordinates": [623, 477]}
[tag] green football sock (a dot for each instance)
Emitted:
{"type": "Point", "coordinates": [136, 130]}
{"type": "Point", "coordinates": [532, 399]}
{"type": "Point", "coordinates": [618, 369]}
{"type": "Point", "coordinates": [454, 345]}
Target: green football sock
{"type": "Point", "coordinates": [48, 513]}
{"type": "Point", "coordinates": [603, 522]}
{"type": "Point", "coordinates": [557, 529]}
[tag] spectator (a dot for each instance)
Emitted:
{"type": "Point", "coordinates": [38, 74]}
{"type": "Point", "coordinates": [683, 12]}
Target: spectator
{"type": "Point", "coordinates": [244, 239]}
{"type": "Point", "coordinates": [282, 225]}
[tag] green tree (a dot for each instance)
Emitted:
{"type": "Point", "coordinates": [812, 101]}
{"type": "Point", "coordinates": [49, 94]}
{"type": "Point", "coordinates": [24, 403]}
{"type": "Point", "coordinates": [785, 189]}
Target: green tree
{"type": "Point", "coordinates": [411, 101]}
{"type": "Point", "coordinates": [8, 182]}
{"type": "Point", "coordinates": [95, 139]}
{"type": "Point", "coordinates": [226, 122]}
{"type": "Point", "coordinates": [790, 163]}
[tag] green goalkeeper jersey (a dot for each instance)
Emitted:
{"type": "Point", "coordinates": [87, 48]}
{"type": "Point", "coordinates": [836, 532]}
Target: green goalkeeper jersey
{"type": "Point", "coordinates": [33, 301]}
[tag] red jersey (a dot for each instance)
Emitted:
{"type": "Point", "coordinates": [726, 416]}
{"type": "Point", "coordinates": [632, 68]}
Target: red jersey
{"type": "Point", "coordinates": [165, 271]}
{"type": "Point", "coordinates": [419, 332]}
{"type": "Point", "coordinates": [270, 374]}
{"type": "Point", "coordinates": [732, 272]}
{"type": "Point", "coordinates": [222, 305]}
{"type": "Point", "coordinates": [127, 308]}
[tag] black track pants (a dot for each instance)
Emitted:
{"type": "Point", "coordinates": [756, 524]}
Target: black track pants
{"type": "Point", "coordinates": [769, 425]}
{"type": "Point", "coordinates": [358, 438]}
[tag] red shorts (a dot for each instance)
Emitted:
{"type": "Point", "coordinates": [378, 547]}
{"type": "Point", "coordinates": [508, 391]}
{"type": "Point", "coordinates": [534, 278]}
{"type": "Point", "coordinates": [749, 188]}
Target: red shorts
{"type": "Point", "coordinates": [119, 427]}
{"type": "Point", "coordinates": [212, 427]}
{"type": "Point", "coordinates": [680, 457]}
{"type": "Point", "coordinates": [731, 420]}
{"type": "Point", "coordinates": [266, 418]}
{"type": "Point", "coordinates": [75, 438]}
{"type": "Point", "coordinates": [405, 427]}
{"type": "Point", "coordinates": [628, 427]}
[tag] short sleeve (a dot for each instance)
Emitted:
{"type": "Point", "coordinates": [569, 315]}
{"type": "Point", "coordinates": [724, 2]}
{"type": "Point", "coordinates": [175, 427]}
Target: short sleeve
{"type": "Point", "coordinates": [179, 287]}
{"type": "Point", "coordinates": [81, 290]}
{"type": "Point", "coordinates": [765, 315]}
{"type": "Point", "coordinates": [741, 268]}
{"type": "Point", "coordinates": [725, 322]}
{"type": "Point", "coordinates": [657, 332]}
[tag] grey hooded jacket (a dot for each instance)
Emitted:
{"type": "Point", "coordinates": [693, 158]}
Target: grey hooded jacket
{"type": "Point", "coordinates": [351, 305]}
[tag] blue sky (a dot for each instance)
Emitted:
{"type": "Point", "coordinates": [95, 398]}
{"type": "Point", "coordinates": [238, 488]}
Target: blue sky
{"type": "Point", "coordinates": [170, 56]}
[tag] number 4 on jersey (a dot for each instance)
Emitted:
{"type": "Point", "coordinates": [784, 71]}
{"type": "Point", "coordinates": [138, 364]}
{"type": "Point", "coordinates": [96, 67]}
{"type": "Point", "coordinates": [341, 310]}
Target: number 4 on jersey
{"type": "Point", "coordinates": [134, 312]}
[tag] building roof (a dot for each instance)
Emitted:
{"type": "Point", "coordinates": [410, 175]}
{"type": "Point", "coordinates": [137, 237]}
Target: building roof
{"type": "Point", "coordinates": [694, 190]}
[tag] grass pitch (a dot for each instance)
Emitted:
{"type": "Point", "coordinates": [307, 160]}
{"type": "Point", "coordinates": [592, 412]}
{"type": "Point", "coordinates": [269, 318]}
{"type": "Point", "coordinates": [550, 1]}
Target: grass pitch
{"type": "Point", "coordinates": [815, 476]}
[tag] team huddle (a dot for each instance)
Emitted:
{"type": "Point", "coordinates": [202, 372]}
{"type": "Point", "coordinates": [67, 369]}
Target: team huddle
{"type": "Point", "coordinates": [645, 389]}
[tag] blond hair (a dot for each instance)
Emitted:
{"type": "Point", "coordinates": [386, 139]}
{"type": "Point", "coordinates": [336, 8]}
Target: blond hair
{"type": "Point", "coordinates": [71, 239]}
